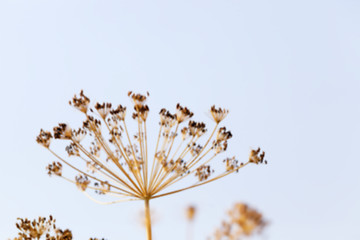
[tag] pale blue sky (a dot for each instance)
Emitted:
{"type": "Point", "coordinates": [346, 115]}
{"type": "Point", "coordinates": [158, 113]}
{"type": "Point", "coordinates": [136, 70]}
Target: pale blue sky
{"type": "Point", "coordinates": [287, 70]}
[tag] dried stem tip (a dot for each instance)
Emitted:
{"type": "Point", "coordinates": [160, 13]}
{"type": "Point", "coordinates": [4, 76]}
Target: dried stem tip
{"type": "Point", "coordinates": [80, 103]}
{"type": "Point", "coordinates": [218, 114]}
{"type": "Point", "coordinates": [44, 138]}
{"type": "Point", "coordinates": [54, 168]}
{"type": "Point", "coordinates": [257, 157]}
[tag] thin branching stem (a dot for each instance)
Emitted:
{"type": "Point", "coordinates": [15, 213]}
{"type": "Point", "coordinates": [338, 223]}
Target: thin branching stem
{"type": "Point", "coordinates": [90, 176]}
{"type": "Point", "coordinates": [108, 203]}
{"type": "Point", "coordinates": [155, 162]}
{"type": "Point", "coordinates": [125, 156]}
{"type": "Point", "coordinates": [134, 156]}
{"type": "Point", "coordinates": [115, 160]}
{"type": "Point", "coordinates": [106, 168]}
{"type": "Point", "coordinates": [198, 184]}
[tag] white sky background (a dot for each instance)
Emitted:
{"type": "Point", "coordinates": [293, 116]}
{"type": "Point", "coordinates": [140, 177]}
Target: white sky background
{"type": "Point", "coordinates": [287, 70]}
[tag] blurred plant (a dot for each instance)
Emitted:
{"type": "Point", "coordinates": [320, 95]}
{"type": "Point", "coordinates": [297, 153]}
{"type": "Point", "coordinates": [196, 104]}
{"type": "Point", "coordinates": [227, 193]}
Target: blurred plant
{"type": "Point", "coordinates": [41, 229]}
{"type": "Point", "coordinates": [243, 221]}
{"type": "Point", "coordinates": [190, 213]}
{"type": "Point", "coordinates": [190, 216]}
{"type": "Point", "coordinates": [126, 171]}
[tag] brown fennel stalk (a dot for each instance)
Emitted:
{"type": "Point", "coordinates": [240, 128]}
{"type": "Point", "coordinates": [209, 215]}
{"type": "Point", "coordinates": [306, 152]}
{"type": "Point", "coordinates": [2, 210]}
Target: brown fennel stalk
{"type": "Point", "coordinates": [120, 165]}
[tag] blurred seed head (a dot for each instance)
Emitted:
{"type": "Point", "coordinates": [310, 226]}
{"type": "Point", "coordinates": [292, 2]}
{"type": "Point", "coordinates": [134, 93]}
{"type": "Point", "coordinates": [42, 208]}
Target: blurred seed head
{"type": "Point", "coordinates": [190, 213]}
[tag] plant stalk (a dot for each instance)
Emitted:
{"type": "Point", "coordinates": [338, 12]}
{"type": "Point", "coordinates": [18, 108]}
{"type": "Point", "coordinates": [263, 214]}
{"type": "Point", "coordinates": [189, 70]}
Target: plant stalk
{"type": "Point", "coordinates": [189, 230]}
{"type": "Point", "coordinates": [147, 219]}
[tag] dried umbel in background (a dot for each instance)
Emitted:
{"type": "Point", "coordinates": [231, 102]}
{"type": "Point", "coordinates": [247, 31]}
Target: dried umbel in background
{"type": "Point", "coordinates": [118, 164]}
{"type": "Point", "coordinates": [41, 228]}
{"type": "Point", "coordinates": [243, 221]}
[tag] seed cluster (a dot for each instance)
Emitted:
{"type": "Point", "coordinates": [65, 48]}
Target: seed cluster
{"type": "Point", "coordinates": [54, 168]}
{"type": "Point", "coordinates": [218, 114]}
{"type": "Point", "coordinates": [81, 102]}
{"type": "Point", "coordinates": [114, 162]}
{"type": "Point", "coordinates": [257, 157]}
{"type": "Point", "coordinates": [44, 138]}
{"type": "Point", "coordinates": [41, 228]}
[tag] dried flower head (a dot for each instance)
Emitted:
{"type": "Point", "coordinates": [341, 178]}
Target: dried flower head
{"type": "Point", "coordinates": [63, 131]}
{"type": "Point", "coordinates": [257, 157]}
{"type": "Point", "coordinates": [138, 99]}
{"type": "Point", "coordinates": [54, 168]}
{"type": "Point", "coordinates": [82, 182]}
{"type": "Point", "coordinates": [223, 135]}
{"type": "Point", "coordinates": [182, 113]}
{"type": "Point", "coordinates": [119, 113]}
{"type": "Point", "coordinates": [72, 150]}
{"type": "Point", "coordinates": [218, 114]}
{"type": "Point", "coordinates": [203, 172]}
{"type": "Point", "coordinates": [243, 221]}
{"type": "Point", "coordinates": [231, 163]}
{"type": "Point", "coordinates": [103, 109]}
{"type": "Point", "coordinates": [44, 138]}
{"type": "Point", "coordinates": [41, 228]}
{"type": "Point", "coordinates": [120, 162]}
{"type": "Point", "coordinates": [80, 103]}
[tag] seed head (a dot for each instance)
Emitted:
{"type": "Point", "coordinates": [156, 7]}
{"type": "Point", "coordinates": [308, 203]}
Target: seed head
{"type": "Point", "coordinates": [63, 131]}
{"type": "Point", "coordinates": [138, 99]}
{"type": "Point", "coordinates": [118, 161]}
{"type": "Point", "coordinates": [218, 114]}
{"type": "Point", "coordinates": [82, 182]}
{"type": "Point", "coordinates": [203, 172]}
{"type": "Point", "coordinates": [119, 113]}
{"type": "Point", "coordinates": [41, 228]}
{"type": "Point", "coordinates": [231, 163]}
{"type": "Point", "coordinates": [54, 169]}
{"type": "Point", "coordinates": [44, 138]}
{"type": "Point", "coordinates": [257, 157]}
{"type": "Point", "coordinates": [166, 118]}
{"type": "Point", "coordinates": [103, 109]}
{"type": "Point", "coordinates": [223, 135]}
{"type": "Point", "coordinates": [80, 103]}
{"type": "Point", "coordinates": [182, 113]}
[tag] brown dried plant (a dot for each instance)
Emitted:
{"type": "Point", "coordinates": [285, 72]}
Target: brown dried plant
{"type": "Point", "coordinates": [120, 164]}
{"type": "Point", "coordinates": [243, 221]}
{"type": "Point", "coordinates": [41, 228]}
{"type": "Point", "coordinates": [190, 216]}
